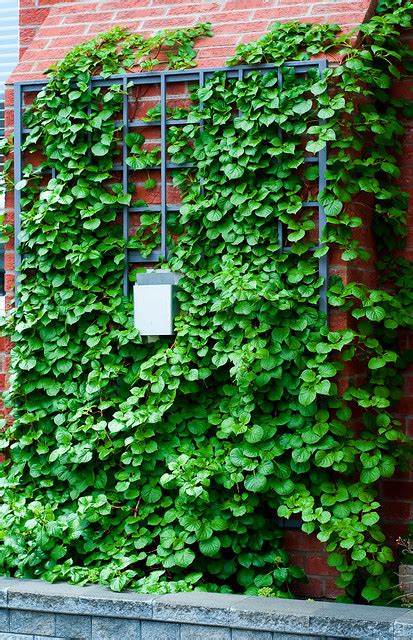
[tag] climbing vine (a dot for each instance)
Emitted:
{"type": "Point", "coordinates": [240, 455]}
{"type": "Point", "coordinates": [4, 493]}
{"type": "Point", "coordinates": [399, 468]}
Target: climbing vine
{"type": "Point", "coordinates": [163, 466]}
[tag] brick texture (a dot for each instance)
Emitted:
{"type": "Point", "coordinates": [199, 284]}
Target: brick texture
{"type": "Point", "coordinates": [49, 28]}
{"type": "Point", "coordinates": [397, 492]}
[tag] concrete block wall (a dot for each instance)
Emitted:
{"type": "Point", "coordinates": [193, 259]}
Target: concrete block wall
{"type": "Point", "coordinates": [35, 610]}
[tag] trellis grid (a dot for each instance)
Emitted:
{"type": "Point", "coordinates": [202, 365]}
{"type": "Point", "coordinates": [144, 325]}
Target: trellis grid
{"type": "Point", "coordinates": [163, 80]}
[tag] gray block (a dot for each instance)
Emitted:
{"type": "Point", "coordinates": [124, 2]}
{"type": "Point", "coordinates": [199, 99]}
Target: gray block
{"type": "Point", "coordinates": [403, 626]}
{"type": "Point", "coordinates": [195, 607]}
{"type": "Point", "coordinates": [273, 614]}
{"type": "Point", "coordinates": [3, 597]}
{"type": "Point", "coordinates": [159, 630]}
{"type": "Point", "coordinates": [32, 622]}
{"type": "Point", "coordinates": [115, 629]}
{"type": "Point", "coordinates": [5, 583]}
{"type": "Point", "coordinates": [37, 595]}
{"type": "Point", "coordinates": [72, 626]}
{"type": "Point", "coordinates": [245, 634]}
{"type": "Point", "coordinates": [14, 636]}
{"type": "Point", "coordinates": [354, 621]}
{"type": "Point", "coordinates": [199, 632]}
{"type": "Point", "coordinates": [4, 620]}
{"type": "Point", "coordinates": [300, 636]}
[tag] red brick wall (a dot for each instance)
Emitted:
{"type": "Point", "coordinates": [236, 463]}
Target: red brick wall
{"type": "Point", "coordinates": [397, 493]}
{"type": "Point", "coordinates": [49, 28]}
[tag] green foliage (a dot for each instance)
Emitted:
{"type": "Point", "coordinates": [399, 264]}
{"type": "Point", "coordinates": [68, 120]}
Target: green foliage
{"type": "Point", "coordinates": [162, 466]}
{"type": "Point", "coordinates": [6, 182]}
{"type": "Point", "coordinates": [384, 6]}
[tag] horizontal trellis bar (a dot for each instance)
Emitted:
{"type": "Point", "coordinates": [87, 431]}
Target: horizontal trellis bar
{"type": "Point", "coordinates": [301, 66]}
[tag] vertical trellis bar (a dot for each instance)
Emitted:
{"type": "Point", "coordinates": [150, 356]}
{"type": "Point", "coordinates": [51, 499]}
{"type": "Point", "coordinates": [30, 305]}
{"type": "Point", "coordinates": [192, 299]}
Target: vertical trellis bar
{"type": "Point", "coordinates": [280, 224]}
{"type": "Point", "coordinates": [18, 93]}
{"type": "Point", "coordinates": [89, 115]}
{"type": "Point", "coordinates": [125, 176]}
{"type": "Point", "coordinates": [201, 83]}
{"type": "Point", "coordinates": [163, 167]}
{"type": "Point", "coordinates": [240, 79]}
{"type": "Point", "coordinates": [323, 261]}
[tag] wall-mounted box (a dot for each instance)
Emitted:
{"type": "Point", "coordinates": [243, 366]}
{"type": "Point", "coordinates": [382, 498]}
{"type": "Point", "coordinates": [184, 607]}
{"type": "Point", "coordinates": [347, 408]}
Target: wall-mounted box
{"type": "Point", "coordinates": [155, 306]}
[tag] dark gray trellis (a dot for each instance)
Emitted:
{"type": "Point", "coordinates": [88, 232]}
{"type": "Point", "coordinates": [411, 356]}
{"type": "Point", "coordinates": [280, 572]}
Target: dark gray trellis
{"type": "Point", "coordinates": [163, 80]}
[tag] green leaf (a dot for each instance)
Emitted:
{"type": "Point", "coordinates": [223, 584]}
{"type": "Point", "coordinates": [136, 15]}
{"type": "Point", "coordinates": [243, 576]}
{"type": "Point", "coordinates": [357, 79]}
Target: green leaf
{"type": "Point", "coordinates": [80, 192]}
{"type": "Point", "coordinates": [326, 113]}
{"type": "Point", "coordinates": [150, 183]}
{"type": "Point", "coordinates": [151, 493]}
{"type": "Point", "coordinates": [376, 314]}
{"type": "Point", "coordinates": [255, 483]}
{"type": "Point", "coordinates": [134, 139]}
{"type": "Point", "coordinates": [387, 467]}
{"type": "Point", "coordinates": [318, 88]}
{"type": "Point", "coordinates": [264, 211]}
{"type": "Point", "coordinates": [358, 554]}
{"type": "Point", "coordinates": [377, 363]}
{"type": "Point", "coordinates": [20, 185]}
{"type": "Point", "coordinates": [100, 149]}
{"type": "Point", "coordinates": [184, 557]}
{"type": "Point", "coordinates": [301, 455]}
{"type": "Point", "coordinates": [302, 107]}
{"type": "Point", "coordinates": [308, 375]}
{"type": "Point", "coordinates": [370, 475]}
{"type": "Point", "coordinates": [333, 208]}
{"type": "Point", "coordinates": [263, 580]}
{"type": "Point", "coordinates": [233, 171]}
{"type": "Point", "coordinates": [306, 396]}
{"type": "Point", "coordinates": [371, 593]}
{"type": "Point", "coordinates": [314, 146]}
{"type": "Point", "coordinates": [215, 215]}
{"type": "Point", "coordinates": [370, 518]}
{"type": "Point", "coordinates": [349, 254]}
{"type": "Point", "coordinates": [91, 224]}
{"type": "Point", "coordinates": [255, 434]}
{"type": "Point", "coordinates": [210, 547]}
{"type": "Point", "coordinates": [336, 560]}
{"type": "Point", "coordinates": [138, 162]}
{"type": "Point", "coordinates": [245, 577]}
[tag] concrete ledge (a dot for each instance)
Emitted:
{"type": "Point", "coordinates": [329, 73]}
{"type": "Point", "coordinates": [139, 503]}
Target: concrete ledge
{"type": "Point", "coordinates": [37, 610]}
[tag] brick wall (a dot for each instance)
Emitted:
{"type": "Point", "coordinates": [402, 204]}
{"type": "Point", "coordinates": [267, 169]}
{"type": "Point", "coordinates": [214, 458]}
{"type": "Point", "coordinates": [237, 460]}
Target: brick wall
{"type": "Point", "coordinates": [397, 493]}
{"type": "Point", "coordinates": [49, 28]}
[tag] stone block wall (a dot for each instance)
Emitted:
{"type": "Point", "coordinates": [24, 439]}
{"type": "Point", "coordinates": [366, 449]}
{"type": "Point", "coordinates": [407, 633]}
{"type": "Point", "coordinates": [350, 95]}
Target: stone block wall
{"type": "Point", "coordinates": [36, 610]}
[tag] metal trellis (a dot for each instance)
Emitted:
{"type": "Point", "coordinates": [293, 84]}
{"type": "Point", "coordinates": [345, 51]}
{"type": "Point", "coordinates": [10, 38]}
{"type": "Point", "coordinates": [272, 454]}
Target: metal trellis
{"type": "Point", "coordinates": [164, 80]}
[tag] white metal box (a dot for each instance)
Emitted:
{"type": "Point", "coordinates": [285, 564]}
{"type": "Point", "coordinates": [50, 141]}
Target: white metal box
{"type": "Point", "coordinates": [155, 305]}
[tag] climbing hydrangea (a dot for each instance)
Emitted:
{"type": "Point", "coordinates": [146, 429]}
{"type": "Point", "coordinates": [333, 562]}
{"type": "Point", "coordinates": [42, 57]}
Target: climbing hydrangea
{"type": "Point", "coordinates": [163, 466]}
